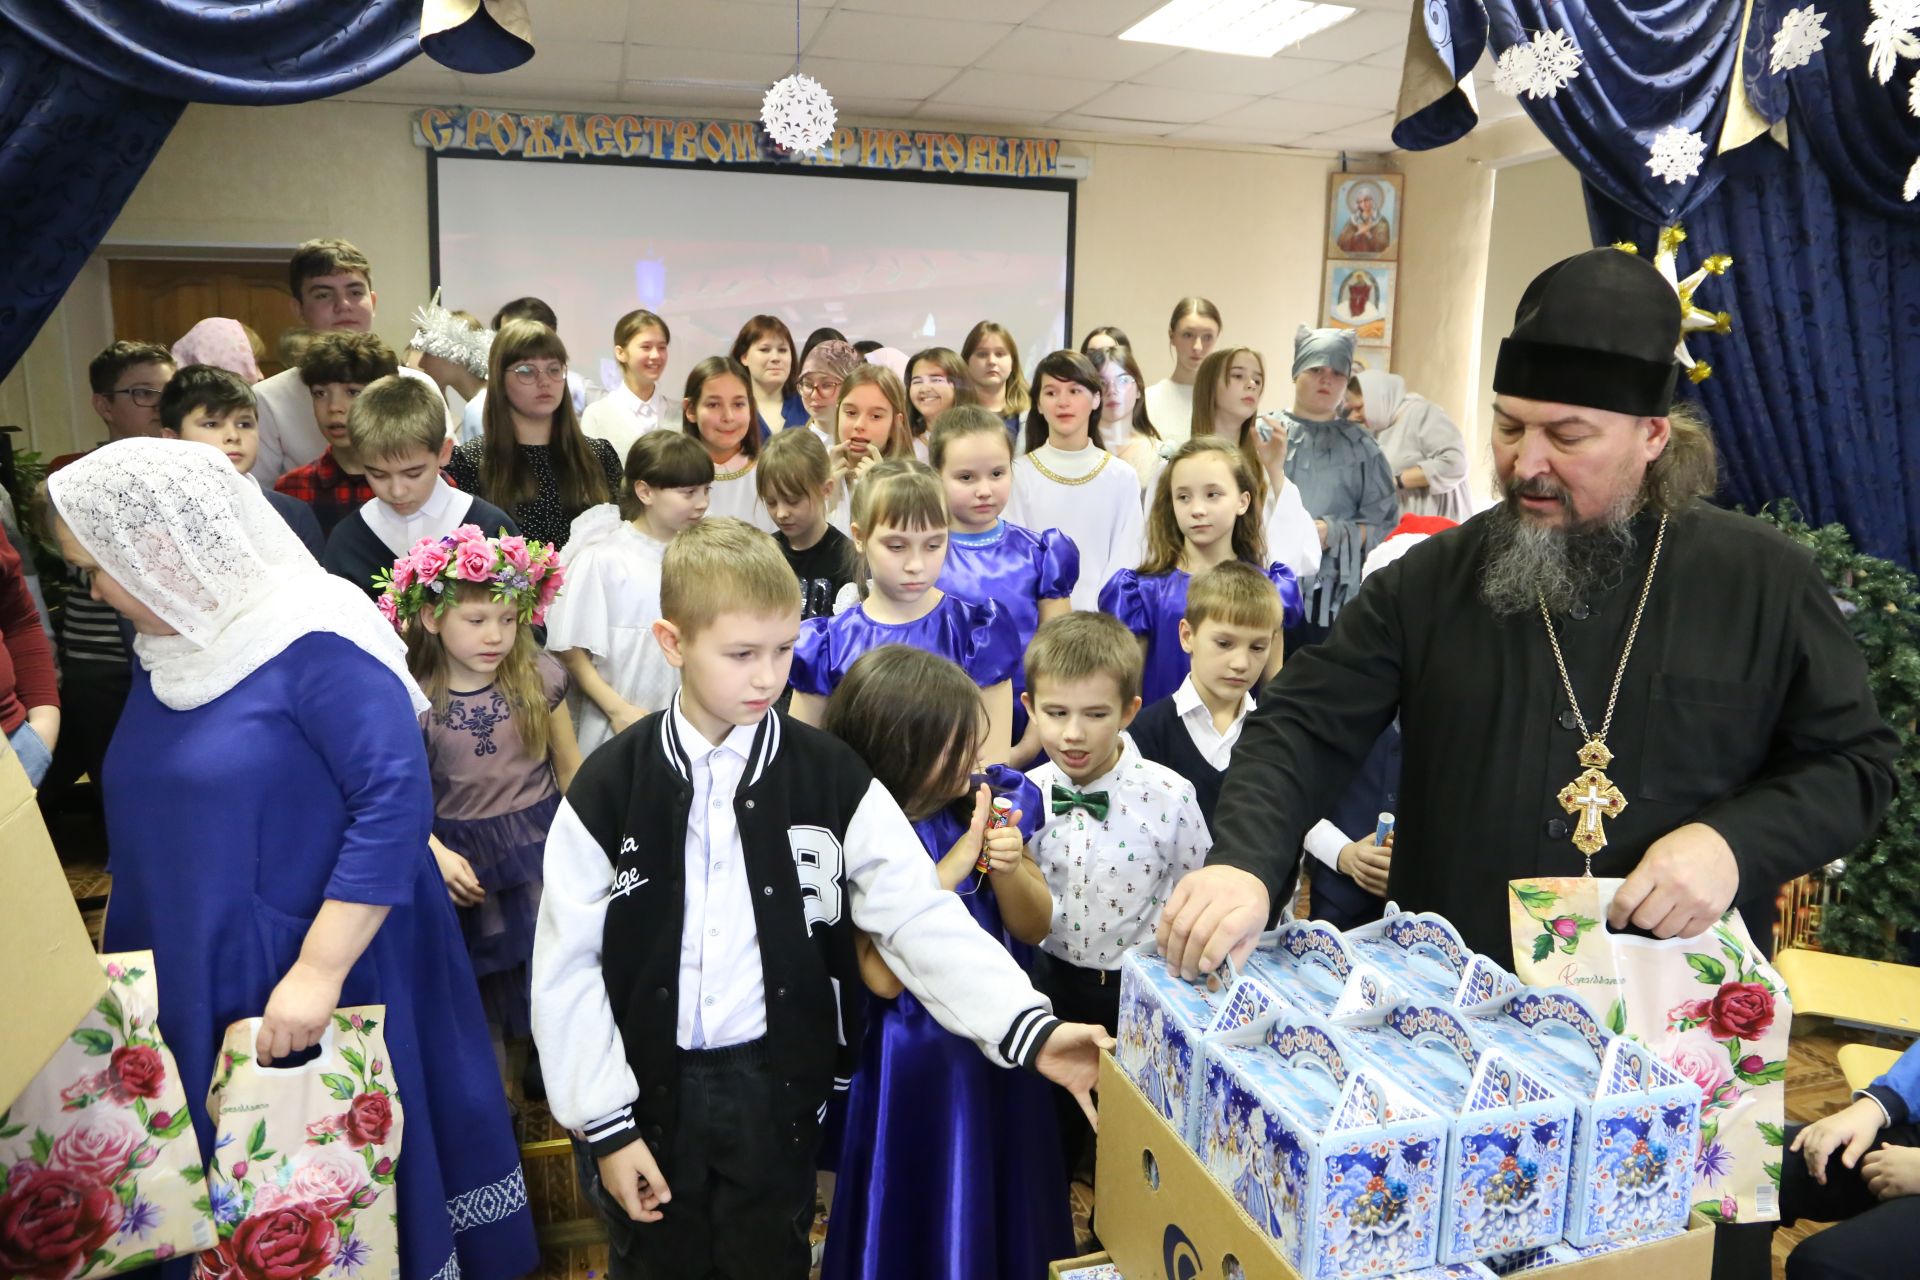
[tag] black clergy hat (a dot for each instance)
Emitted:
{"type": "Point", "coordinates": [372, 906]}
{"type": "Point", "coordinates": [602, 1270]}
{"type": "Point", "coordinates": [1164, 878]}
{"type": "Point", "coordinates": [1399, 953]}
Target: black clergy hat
{"type": "Point", "coordinates": [1598, 329]}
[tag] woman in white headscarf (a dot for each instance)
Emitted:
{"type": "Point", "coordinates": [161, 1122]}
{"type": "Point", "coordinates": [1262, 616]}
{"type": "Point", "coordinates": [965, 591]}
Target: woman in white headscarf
{"type": "Point", "coordinates": [1426, 452]}
{"type": "Point", "coordinates": [268, 808]}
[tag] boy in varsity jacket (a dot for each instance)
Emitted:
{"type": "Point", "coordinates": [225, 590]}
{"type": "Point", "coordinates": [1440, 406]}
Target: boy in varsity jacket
{"type": "Point", "coordinates": [696, 993]}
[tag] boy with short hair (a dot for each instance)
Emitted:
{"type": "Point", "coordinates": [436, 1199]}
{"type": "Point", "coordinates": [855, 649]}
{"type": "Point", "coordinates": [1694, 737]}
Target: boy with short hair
{"type": "Point", "coordinates": [695, 981]}
{"type": "Point", "coordinates": [397, 431]}
{"type": "Point", "coordinates": [1120, 830]}
{"type": "Point", "coordinates": [332, 287]}
{"type": "Point", "coordinates": [127, 379]}
{"type": "Point", "coordinates": [794, 480]}
{"type": "Point", "coordinates": [213, 406]}
{"type": "Point", "coordinates": [335, 369]}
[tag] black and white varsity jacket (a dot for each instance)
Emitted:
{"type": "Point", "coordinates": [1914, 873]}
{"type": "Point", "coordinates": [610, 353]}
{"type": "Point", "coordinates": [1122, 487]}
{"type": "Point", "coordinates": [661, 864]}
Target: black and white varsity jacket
{"type": "Point", "coordinates": [828, 854]}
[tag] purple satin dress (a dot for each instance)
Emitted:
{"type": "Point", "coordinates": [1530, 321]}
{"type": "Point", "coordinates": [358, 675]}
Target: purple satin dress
{"type": "Point", "coordinates": [1015, 568]}
{"type": "Point", "coordinates": [1152, 605]}
{"type": "Point", "coordinates": [980, 638]}
{"type": "Point", "coordinates": [950, 1166]}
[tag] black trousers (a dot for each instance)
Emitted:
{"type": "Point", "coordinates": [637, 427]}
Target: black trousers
{"type": "Point", "coordinates": [1872, 1239]}
{"type": "Point", "coordinates": [92, 695]}
{"type": "Point", "coordinates": [1078, 995]}
{"type": "Point", "coordinates": [742, 1190]}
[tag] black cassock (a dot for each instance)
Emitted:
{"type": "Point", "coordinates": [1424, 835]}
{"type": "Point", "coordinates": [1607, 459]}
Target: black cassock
{"type": "Point", "coordinates": [1745, 707]}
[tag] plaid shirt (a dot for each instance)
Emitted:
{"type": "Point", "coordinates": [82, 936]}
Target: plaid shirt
{"type": "Point", "coordinates": [326, 487]}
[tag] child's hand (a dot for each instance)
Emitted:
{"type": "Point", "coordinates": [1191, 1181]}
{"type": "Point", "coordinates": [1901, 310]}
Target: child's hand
{"type": "Point", "coordinates": [1367, 864]}
{"type": "Point", "coordinates": [1071, 1059]}
{"type": "Point", "coordinates": [1892, 1172]}
{"type": "Point", "coordinates": [1850, 1132]}
{"type": "Point", "coordinates": [463, 886]}
{"type": "Point", "coordinates": [1004, 847]}
{"type": "Point", "coordinates": [967, 848]}
{"type": "Point", "coordinates": [633, 1179]}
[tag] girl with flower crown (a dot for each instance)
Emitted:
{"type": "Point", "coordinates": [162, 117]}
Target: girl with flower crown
{"type": "Point", "coordinates": [500, 745]}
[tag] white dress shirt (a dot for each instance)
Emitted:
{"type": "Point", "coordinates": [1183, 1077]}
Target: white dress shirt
{"type": "Point", "coordinates": [1110, 878]}
{"type": "Point", "coordinates": [443, 511]}
{"type": "Point", "coordinates": [723, 989]}
{"type": "Point", "coordinates": [621, 417]}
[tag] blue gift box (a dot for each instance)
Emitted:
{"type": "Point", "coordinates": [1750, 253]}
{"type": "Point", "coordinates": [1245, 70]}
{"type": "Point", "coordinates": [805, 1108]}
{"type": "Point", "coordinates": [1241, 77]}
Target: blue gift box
{"type": "Point", "coordinates": [1420, 953]}
{"type": "Point", "coordinates": [1309, 964]}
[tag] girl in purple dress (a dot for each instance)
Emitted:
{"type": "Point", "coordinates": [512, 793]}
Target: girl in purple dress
{"type": "Point", "coordinates": [500, 749]}
{"type": "Point", "coordinates": [1204, 514]}
{"type": "Point", "coordinates": [899, 528]}
{"type": "Point", "coordinates": [1028, 574]}
{"type": "Point", "coordinates": [949, 1166]}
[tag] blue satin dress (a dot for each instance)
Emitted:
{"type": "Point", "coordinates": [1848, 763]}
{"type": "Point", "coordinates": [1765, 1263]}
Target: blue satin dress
{"type": "Point", "coordinates": [980, 638]}
{"type": "Point", "coordinates": [950, 1165]}
{"type": "Point", "coordinates": [1152, 605]}
{"type": "Point", "coordinates": [1016, 568]}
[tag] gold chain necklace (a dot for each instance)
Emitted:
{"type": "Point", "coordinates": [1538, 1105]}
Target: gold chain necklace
{"type": "Point", "coordinates": [1592, 794]}
{"type": "Point", "coordinates": [1057, 478]}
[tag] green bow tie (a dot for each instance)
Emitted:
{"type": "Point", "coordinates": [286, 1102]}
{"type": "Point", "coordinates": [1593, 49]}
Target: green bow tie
{"type": "Point", "coordinates": [1094, 802]}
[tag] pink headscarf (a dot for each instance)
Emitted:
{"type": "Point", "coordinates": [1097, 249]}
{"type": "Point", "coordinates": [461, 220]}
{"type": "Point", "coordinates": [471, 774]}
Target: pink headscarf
{"type": "Point", "coordinates": [221, 343]}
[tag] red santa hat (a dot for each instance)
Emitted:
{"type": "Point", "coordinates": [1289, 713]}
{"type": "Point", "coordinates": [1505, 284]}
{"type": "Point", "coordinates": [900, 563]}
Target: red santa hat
{"type": "Point", "coordinates": [1409, 533]}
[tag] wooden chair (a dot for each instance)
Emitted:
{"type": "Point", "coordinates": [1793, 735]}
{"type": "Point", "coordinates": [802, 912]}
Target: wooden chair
{"type": "Point", "coordinates": [1862, 1064]}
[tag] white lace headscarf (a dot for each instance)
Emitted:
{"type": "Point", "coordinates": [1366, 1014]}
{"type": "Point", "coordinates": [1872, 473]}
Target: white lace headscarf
{"type": "Point", "coordinates": [196, 542]}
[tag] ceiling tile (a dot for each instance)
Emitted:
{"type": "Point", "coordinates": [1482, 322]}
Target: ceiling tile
{"type": "Point", "coordinates": [1361, 36]}
{"type": "Point", "coordinates": [1093, 17]}
{"type": "Point", "coordinates": [732, 25]}
{"type": "Point", "coordinates": [870, 79]}
{"type": "Point", "coordinates": [960, 114]}
{"type": "Point", "coordinates": [1494, 105]}
{"type": "Point", "coordinates": [1375, 134]}
{"type": "Point", "coordinates": [1032, 51]}
{"type": "Point", "coordinates": [560, 93]}
{"type": "Point", "coordinates": [1225, 73]}
{"type": "Point", "coordinates": [1172, 106]}
{"type": "Point", "coordinates": [1294, 119]}
{"type": "Point", "coordinates": [1243, 136]}
{"type": "Point", "coordinates": [1392, 58]}
{"type": "Point", "coordinates": [666, 99]}
{"type": "Point", "coordinates": [1355, 84]}
{"type": "Point", "coordinates": [979, 10]}
{"type": "Point", "coordinates": [654, 62]}
{"type": "Point", "coordinates": [879, 37]}
{"type": "Point", "coordinates": [604, 20]}
{"type": "Point", "coordinates": [558, 60]}
{"type": "Point", "coordinates": [1030, 93]}
{"type": "Point", "coordinates": [1126, 128]}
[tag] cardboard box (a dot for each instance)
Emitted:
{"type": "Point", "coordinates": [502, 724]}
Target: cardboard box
{"type": "Point", "coordinates": [44, 948]}
{"type": "Point", "coordinates": [1161, 1214]}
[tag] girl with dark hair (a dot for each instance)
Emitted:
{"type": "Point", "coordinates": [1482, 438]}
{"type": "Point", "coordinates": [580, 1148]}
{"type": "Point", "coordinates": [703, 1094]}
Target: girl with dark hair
{"type": "Point", "coordinates": [1125, 428]}
{"type": "Point", "coordinates": [765, 346]}
{"type": "Point", "coordinates": [718, 412]}
{"type": "Point", "coordinates": [993, 363]}
{"type": "Point", "coordinates": [1105, 338]}
{"type": "Point", "coordinates": [1191, 332]}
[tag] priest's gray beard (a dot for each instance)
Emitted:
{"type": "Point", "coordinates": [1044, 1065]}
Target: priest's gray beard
{"type": "Point", "coordinates": [1528, 562]}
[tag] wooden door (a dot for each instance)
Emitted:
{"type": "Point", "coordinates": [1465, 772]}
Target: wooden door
{"type": "Point", "coordinates": [158, 301]}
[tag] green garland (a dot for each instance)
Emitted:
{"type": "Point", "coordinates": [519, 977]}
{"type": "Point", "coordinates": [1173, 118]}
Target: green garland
{"type": "Point", "coordinates": [1882, 882]}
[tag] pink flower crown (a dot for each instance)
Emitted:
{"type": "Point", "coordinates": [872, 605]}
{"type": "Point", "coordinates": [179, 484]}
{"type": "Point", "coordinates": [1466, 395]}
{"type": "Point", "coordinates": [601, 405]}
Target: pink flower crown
{"type": "Point", "coordinates": [527, 575]}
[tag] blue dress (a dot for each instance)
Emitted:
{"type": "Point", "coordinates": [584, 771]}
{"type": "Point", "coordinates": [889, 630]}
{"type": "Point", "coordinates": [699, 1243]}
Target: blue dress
{"type": "Point", "coordinates": [1015, 568]}
{"type": "Point", "coordinates": [1152, 605]}
{"type": "Point", "coordinates": [950, 1165]}
{"type": "Point", "coordinates": [979, 638]}
{"type": "Point", "coordinates": [229, 825]}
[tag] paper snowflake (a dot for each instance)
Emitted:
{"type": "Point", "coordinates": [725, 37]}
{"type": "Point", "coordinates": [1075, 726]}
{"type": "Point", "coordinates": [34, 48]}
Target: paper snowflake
{"type": "Point", "coordinates": [1913, 95]}
{"type": "Point", "coordinates": [1540, 68]}
{"type": "Point", "coordinates": [1894, 33]}
{"type": "Point", "coordinates": [1676, 154]}
{"type": "Point", "coordinates": [1800, 36]}
{"type": "Point", "coordinates": [1912, 188]}
{"type": "Point", "coordinates": [798, 113]}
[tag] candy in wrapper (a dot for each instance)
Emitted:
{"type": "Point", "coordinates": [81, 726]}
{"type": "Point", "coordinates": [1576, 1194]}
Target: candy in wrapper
{"type": "Point", "coordinates": [999, 814]}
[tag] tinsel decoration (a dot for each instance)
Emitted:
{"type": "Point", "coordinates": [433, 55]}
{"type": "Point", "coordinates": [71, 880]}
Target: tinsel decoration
{"type": "Point", "coordinates": [1666, 260]}
{"type": "Point", "coordinates": [439, 332]}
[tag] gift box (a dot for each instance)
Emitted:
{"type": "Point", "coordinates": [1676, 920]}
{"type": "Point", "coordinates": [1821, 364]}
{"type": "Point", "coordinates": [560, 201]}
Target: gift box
{"type": "Point", "coordinates": [1420, 953]}
{"type": "Point", "coordinates": [1309, 965]}
{"type": "Point", "coordinates": [1507, 1168]}
{"type": "Point", "coordinates": [1331, 1160]}
{"type": "Point", "coordinates": [1636, 1120]}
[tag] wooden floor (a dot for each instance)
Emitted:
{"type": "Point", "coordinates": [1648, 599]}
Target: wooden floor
{"type": "Point", "coordinates": [571, 1239]}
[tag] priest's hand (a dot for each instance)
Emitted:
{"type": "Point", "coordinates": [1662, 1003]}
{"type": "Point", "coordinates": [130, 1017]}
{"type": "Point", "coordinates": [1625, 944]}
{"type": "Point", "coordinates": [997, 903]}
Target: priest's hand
{"type": "Point", "coordinates": [1213, 912]}
{"type": "Point", "coordinates": [1071, 1059]}
{"type": "Point", "coordinates": [1682, 887]}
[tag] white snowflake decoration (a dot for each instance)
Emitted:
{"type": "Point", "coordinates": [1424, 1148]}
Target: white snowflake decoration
{"type": "Point", "coordinates": [1800, 36]}
{"type": "Point", "coordinates": [1540, 68]}
{"type": "Point", "coordinates": [798, 113]}
{"type": "Point", "coordinates": [1913, 95]}
{"type": "Point", "coordinates": [1676, 154]}
{"type": "Point", "coordinates": [1894, 33]}
{"type": "Point", "coordinates": [1912, 188]}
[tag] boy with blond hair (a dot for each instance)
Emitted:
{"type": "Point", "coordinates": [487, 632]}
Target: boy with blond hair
{"type": "Point", "coordinates": [695, 981]}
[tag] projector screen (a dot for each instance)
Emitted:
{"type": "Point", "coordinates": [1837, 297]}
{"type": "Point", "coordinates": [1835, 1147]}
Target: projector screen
{"type": "Point", "coordinates": [910, 263]}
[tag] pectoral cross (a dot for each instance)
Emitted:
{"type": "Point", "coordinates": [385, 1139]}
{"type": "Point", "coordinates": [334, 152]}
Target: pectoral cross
{"type": "Point", "coordinates": [1592, 796]}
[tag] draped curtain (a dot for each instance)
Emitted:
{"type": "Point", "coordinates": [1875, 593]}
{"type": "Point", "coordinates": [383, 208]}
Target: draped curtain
{"type": "Point", "coordinates": [89, 89]}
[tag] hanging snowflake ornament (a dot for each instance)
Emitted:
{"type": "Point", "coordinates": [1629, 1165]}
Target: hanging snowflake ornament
{"type": "Point", "coordinates": [1676, 155]}
{"type": "Point", "coordinates": [1893, 34]}
{"type": "Point", "coordinates": [1800, 36]}
{"type": "Point", "coordinates": [798, 113]}
{"type": "Point", "coordinates": [1913, 95]}
{"type": "Point", "coordinates": [1539, 68]}
{"type": "Point", "coordinates": [1912, 189]}
{"type": "Point", "coordinates": [1693, 319]}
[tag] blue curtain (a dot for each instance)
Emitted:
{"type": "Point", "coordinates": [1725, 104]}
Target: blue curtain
{"type": "Point", "coordinates": [89, 89]}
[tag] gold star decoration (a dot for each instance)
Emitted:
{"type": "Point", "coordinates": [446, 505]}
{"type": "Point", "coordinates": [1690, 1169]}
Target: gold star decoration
{"type": "Point", "coordinates": [1693, 319]}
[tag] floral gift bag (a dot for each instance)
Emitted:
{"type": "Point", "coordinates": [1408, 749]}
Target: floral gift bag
{"type": "Point", "coordinates": [301, 1181]}
{"type": "Point", "coordinates": [1711, 1007]}
{"type": "Point", "coordinates": [98, 1159]}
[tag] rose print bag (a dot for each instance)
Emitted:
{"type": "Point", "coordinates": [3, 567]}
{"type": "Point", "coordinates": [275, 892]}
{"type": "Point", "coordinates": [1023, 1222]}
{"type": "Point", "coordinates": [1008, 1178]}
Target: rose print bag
{"type": "Point", "coordinates": [1711, 1007]}
{"type": "Point", "coordinates": [98, 1159]}
{"type": "Point", "coordinates": [301, 1181]}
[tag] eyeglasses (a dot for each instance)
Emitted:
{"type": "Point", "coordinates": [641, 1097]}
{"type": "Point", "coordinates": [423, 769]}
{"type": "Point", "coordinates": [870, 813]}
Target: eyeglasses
{"type": "Point", "coordinates": [1124, 380]}
{"type": "Point", "coordinates": [528, 374]}
{"type": "Point", "coordinates": [145, 397]}
{"type": "Point", "coordinates": [821, 384]}
{"type": "Point", "coordinates": [930, 380]}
